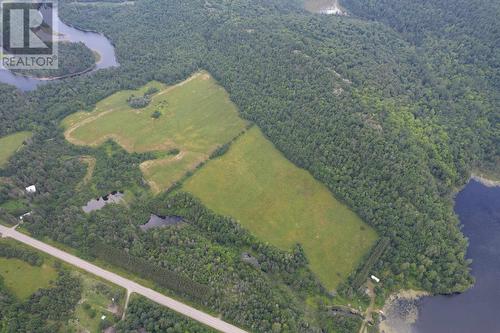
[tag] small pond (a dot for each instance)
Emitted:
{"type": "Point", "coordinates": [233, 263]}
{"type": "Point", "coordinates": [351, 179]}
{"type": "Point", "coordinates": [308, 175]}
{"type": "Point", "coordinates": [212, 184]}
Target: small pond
{"type": "Point", "coordinates": [99, 203]}
{"type": "Point", "coordinates": [156, 221]}
{"type": "Point", "coordinates": [328, 7]}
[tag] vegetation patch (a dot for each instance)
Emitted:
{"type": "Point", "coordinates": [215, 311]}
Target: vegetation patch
{"type": "Point", "coordinates": [23, 279]}
{"type": "Point", "coordinates": [99, 300]}
{"type": "Point", "coordinates": [34, 285]}
{"type": "Point", "coordinates": [74, 59]}
{"type": "Point", "coordinates": [91, 162]}
{"type": "Point", "coordinates": [10, 144]}
{"type": "Point", "coordinates": [284, 205]}
{"type": "Point", "coordinates": [195, 117]}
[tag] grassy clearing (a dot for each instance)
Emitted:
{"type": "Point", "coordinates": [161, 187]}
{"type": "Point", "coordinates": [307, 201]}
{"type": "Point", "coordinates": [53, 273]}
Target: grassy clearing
{"type": "Point", "coordinates": [97, 301]}
{"type": "Point", "coordinates": [284, 205]}
{"type": "Point", "coordinates": [164, 172]}
{"type": "Point", "coordinates": [15, 207]}
{"type": "Point", "coordinates": [91, 162]}
{"type": "Point", "coordinates": [10, 144]}
{"type": "Point", "coordinates": [22, 279]}
{"type": "Point", "coordinates": [196, 116]}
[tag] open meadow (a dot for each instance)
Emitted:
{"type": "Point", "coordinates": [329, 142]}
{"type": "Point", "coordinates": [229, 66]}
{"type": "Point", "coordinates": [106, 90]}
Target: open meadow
{"type": "Point", "coordinates": [253, 182]}
{"type": "Point", "coordinates": [10, 144]}
{"type": "Point", "coordinates": [23, 279]}
{"type": "Point", "coordinates": [284, 205]}
{"type": "Point", "coordinates": [98, 298]}
{"type": "Point", "coordinates": [194, 117]}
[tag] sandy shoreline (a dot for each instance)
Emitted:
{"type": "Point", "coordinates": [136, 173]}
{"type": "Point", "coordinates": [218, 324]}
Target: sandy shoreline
{"type": "Point", "coordinates": [401, 311]}
{"type": "Point", "coordinates": [485, 181]}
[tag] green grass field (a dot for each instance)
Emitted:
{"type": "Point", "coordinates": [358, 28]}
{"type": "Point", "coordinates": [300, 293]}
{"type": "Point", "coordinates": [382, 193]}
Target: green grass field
{"type": "Point", "coordinates": [284, 205]}
{"type": "Point", "coordinates": [196, 117]}
{"type": "Point", "coordinates": [96, 302]}
{"type": "Point", "coordinates": [10, 144]}
{"type": "Point", "coordinates": [22, 279]}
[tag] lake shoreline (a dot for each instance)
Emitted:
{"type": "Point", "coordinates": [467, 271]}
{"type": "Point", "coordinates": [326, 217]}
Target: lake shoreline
{"type": "Point", "coordinates": [400, 311]}
{"type": "Point", "coordinates": [484, 180]}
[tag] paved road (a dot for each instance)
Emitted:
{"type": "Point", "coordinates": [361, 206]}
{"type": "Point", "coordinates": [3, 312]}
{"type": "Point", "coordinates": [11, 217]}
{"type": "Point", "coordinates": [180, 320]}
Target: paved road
{"type": "Point", "coordinates": [131, 286]}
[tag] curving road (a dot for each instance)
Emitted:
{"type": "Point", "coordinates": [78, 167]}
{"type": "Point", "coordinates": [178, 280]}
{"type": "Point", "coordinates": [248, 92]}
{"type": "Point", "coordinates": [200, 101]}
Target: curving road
{"type": "Point", "coordinates": [131, 286]}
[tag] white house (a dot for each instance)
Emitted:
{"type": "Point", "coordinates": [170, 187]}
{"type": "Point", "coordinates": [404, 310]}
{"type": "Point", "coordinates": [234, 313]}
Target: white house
{"type": "Point", "coordinates": [31, 189]}
{"type": "Point", "coordinates": [374, 278]}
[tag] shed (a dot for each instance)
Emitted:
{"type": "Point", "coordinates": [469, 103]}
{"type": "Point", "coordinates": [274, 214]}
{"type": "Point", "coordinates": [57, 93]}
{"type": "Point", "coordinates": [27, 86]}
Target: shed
{"type": "Point", "coordinates": [31, 189]}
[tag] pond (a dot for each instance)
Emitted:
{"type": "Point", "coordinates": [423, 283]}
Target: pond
{"type": "Point", "coordinates": [329, 7]}
{"type": "Point", "coordinates": [94, 41]}
{"type": "Point", "coordinates": [156, 221]}
{"type": "Point", "coordinates": [99, 203]}
{"type": "Point", "coordinates": [476, 310]}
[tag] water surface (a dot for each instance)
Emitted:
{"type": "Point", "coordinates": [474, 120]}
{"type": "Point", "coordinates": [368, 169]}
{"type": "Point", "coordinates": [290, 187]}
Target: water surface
{"type": "Point", "coordinates": [329, 7]}
{"type": "Point", "coordinates": [94, 41]}
{"type": "Point", "coordinates": [156, 221]}
{"type": "Point", "coordinates": [478, 309]}
{"type": "Point", "coordinates": [99, 203]}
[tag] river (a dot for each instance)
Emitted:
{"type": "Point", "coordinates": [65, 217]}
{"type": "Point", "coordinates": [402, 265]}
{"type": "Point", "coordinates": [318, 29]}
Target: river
{"type": "Point", "coordinates": [94, 41]}
{"type": "Point", "coordinates": [478, 309]}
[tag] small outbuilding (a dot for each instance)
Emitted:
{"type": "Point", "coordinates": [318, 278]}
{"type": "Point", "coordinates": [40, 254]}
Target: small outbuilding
{"type": "Point", "coordinates": [31, 189]}
{"type": "Point", "coordinates": [24, 215]}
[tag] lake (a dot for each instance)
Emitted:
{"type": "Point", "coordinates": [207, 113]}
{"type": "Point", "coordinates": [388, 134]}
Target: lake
{"type": "Point", "coordinates": [478, 309]}
{"type": "Point", "coordinates": [94, 41]}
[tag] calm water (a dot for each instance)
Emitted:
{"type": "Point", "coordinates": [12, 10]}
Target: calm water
{"type": "Point", "coordinates": [96, 204]}
{"type": "Point", "coordinates": [156, 221]}
{"type": "Point", "coordinates": [328, 7]}
{"type": "Point", "coordinates": [477, 310]}
{"type": "Point", "coordinates": [92, 40]}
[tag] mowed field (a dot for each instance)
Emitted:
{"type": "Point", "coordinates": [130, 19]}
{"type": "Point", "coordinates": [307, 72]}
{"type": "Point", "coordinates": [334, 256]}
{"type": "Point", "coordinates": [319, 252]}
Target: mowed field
{"type": "Point", "coordinates": [10, 144]}
{"type": "Point", "coordinates": [284, 205]}
{"type": "Point", "coordinates": [196, 117]}
{"type": "Point", "coordinates": [22, 279]}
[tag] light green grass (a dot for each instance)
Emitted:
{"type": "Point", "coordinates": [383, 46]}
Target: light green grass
{"type": "Point", "coordinates": [22, 279]}
{"type": "Point", "coordinates": [284, 205]}
{"type": "Point", "coordinates": [15, 207]}
{"type": "Point", "coordinates": [10, 144]}
{"type": "Point", "coordinates": [197, 117]}
{"type": "Point", "coordinates": [98, 301]}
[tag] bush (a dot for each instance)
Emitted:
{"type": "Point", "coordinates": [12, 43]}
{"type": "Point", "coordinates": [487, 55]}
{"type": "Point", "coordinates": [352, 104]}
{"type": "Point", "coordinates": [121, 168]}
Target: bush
{"type": "Point", "coordinates": [138, 102]}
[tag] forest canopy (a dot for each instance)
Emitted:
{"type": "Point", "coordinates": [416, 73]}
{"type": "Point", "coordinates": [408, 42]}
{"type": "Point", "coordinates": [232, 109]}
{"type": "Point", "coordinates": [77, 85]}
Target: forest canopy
{"type": "Point", "coordinates": [391, 107]}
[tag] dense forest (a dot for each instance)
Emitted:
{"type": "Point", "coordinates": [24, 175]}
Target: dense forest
{"type": "Point", "coordinates": [142, 314]}
{"type": "Point", "coordinates": [47, 310]}
{"type": "Point", "coordinates": [391, 107]}
{"type": "Point", "coordinates": [74, 58]}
